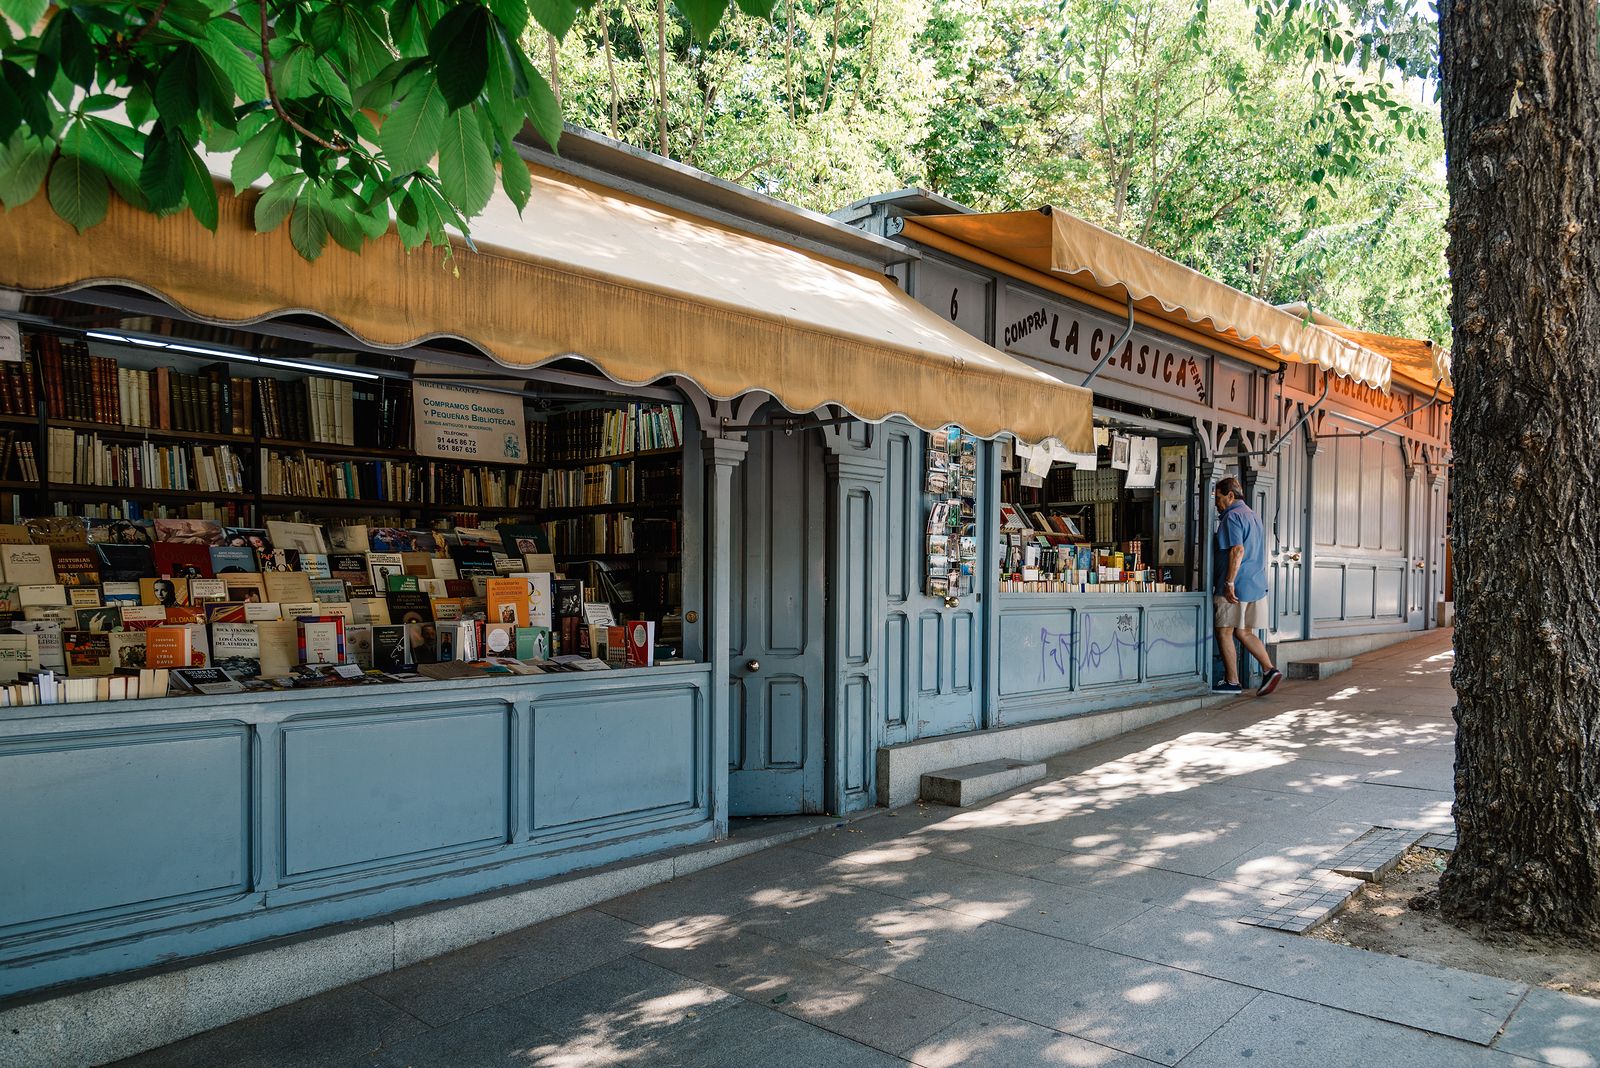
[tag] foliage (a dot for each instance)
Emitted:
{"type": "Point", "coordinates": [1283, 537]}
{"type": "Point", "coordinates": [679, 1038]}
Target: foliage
{"type": "Point", "coordinates": [357, 112]}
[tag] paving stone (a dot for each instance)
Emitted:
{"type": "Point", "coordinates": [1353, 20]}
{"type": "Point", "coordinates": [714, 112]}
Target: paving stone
{"type": "Point", "coordinates": [497, 1037]}
{"type": "Point", "coordinates": [989, 1039]}
{"type": "Point", "coordinates": [1555, 1028]}
{"type": "Point", "coordinates": [746, 1036]}
{"type": "Point", "coordinates": [1446, 842]}
{"type": "Point", "coordinates": [1373, 855]}
{"type": "Point", "coordinates": [1279, 1032]}
{"type": "Point", "coordinates": [331, 1029]}
{"type": "Point", "coordinates": [446, 988]}
{"type": "Point", "coordinates": [852, 918]}
{"type": "Point", "coordinates": [622, 1002]}
{"type": "Point", "coordinates": [1134, 1006]}
{"type": "Point", "coordinates": [716, 895]}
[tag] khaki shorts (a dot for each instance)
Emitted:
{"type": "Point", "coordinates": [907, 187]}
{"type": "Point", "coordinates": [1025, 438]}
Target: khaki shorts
{"type": "Point", "coordinates": [1246, 615]}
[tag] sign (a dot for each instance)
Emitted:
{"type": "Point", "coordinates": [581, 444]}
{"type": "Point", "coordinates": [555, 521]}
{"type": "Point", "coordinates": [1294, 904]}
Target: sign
{"type": "Point", "coordinates": [958, 296]}
{"type": "Point", "coordinates": [1057, 333]}
{"type": "Point", "coordinates": [10, 342]}
{"type": "Point", "coordinates": [462, 423]}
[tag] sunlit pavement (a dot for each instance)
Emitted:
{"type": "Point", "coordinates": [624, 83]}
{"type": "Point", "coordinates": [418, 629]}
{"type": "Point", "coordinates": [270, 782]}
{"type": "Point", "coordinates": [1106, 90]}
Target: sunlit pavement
{"type": "Point", "coordinates": [1088, 920]}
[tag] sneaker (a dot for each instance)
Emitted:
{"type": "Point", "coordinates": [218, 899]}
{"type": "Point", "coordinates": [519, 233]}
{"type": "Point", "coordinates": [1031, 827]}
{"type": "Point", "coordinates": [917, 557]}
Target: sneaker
{"type": "Point", "coordinates": [1226, 687]}
{"type": "Point", "coordinates": [1270, 683]}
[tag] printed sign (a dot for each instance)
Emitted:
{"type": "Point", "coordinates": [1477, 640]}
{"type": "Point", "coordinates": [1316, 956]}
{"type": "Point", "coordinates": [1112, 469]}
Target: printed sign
{"type": "Point", "coordinates": [461, 423]}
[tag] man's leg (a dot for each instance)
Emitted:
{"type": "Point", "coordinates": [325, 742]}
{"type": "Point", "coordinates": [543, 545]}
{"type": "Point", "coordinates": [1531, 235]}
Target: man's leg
{"type": "Point", "coordinates": [1255, 648]}
{"type": "Point", "coordinates": [1230, 656]}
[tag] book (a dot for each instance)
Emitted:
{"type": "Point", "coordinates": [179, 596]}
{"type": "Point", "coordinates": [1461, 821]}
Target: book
{"type": "Point", "coordinates": [262, 611]}
{"type": "Point", "coordinates": [75, 566]}
{"type": "Point", "coordinates": [390, 649]}
{"type": "Point", "coordinates": [508, 601]}
{"type": "Point", "coordinates": [165, 592]}
{"type": "Point", "coordinates": [296, 609]}
{"type": "Point", "coordinates": [373, 610]}
{"type": "Point", "coordinates": [447, 608]}
{"type": "Point", "coordinates": [287, 586]}
{"type": "Point", "coordinates": [207, 680]}
{"type": "Point", "coordinates": [358, 644]}
{"type": "Point", "coordinates": [541, 606]}
{"type": "Point", "coordinates": [303, 537]}
{"type": "Point", "coordinates": [279, 642]}
{"type": "Point", "coordinates": [351, 567]}
{"type": "Point", "coordinates": [47, 640]}
{"type": "Point", "coordinates": [125, 563]}
{"type": "Point", "coordinates": [46, 594]}
{"type": "Point", "coordinates": [127, 648]}
{"type": "Point", "coordinates": [381, 565]}
{"type": "Point", "coordinates": [321, 640]}
{"type": "Point", "coordinates": [410, 607]}
{"type": "Point", "coordinates": [181, 560]}
{"type": "Point", "coordinates": [417, 562]}
{"type": "Point", "coordinates": [533, 643]}
{"type": "Point", "coordinates": [189, 531]}
{"type": "Point", "coordinates": [225, 612]}
{"type": "Point", "coordinates": [253, 538]}
{"type": "Point", "coordinates": [236, 648]}
{"type": "Point", "coordinates": [640, 643]}
{"type": "Point", "coordinates": [227, 559]}
{"type": "Point", "coordinates": [142, 616]}
{"type": "Point", "coordinates": [616, 642]}
{"type": "Point", "coordinates": [328, 589]}
{"type": "Point", "coordinates": [88, 653]}
{"type": "Point", "coordinates": [99, 620]}
{"type": "Point", "coordinates": [168, 647]}
{"type": "Point", "coordinates": [28, 565]}
{"type": "Point", "coordinates": [500, 639]}
{"type": "Point", "coordinates": [270, 560]}
{"type": "Point", "coordinates": [403, 584]}
{"type": "Point", "coordinates": [120, 593]}
{"type": "Point", "coordinates": [82, 596]}
{"type": "Point", "coordinates": [18, 653]}
{"type": "Point", "coordinates": [244, 586]}
{"type": "Point", "coordinates": [422, 642]}
{"type": "Point", "coordinates": [315, 565]}
{"type": "Point", "coordinates": [349, 538]}
{"type": "Point", "coordinates": [206, 590]}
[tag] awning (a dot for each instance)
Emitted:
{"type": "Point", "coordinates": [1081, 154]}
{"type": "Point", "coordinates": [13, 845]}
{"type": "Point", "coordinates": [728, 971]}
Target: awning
{"type": "Point", "coordinates": [638, 290]}
{"type": "Point", "coordinates": [1099, 261]}
{"type": "Point", "coordinates": [1418, 361]}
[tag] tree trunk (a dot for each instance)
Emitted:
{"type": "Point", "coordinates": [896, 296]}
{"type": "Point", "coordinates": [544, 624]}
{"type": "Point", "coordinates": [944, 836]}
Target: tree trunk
{"type": "Point", "coordinates": [661, 77]}
{"type": "Point", "coordinates": [1521, 99]}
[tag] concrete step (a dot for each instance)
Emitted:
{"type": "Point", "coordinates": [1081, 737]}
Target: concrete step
{"type": "Point", "coordinates": [971, 783]}
{"type": "Point", "coordinates": [1318, 669]}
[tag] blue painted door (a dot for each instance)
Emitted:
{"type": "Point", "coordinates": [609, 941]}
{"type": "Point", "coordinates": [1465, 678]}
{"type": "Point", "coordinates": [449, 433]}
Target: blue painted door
{"type": "Point", "coordinates": [779, 550]}
{"type": "Point", "coordinates": [1284, 516]}
{"type": "Point", "coordinates": [934, 650]}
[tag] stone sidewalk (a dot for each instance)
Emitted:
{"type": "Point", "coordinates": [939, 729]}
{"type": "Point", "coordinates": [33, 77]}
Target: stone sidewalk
{"type": "Point", "coordinates": [1091, 919]}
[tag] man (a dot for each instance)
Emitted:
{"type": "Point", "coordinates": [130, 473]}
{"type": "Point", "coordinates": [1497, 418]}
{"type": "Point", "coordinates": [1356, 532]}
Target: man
{"type": "Point", "coordinates": [1239, 587]}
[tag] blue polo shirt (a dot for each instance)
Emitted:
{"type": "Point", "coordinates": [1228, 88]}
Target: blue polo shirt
{"type": "Point", "coordinates": [1240, 526]}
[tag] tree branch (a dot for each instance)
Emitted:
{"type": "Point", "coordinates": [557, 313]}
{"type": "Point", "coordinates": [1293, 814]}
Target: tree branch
{"type": "Point", "coordinates": [272, 93]}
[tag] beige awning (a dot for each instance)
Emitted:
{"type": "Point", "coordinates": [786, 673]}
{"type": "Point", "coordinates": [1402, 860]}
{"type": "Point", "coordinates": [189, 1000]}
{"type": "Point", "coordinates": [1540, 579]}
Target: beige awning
{"type": "Point", "coordinates": [642, 292]}
{"type": "Point", "coordinates": [1098, 260]}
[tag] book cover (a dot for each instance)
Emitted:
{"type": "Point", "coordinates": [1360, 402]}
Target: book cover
{"type": "Point", "coordinates": [189, 531]}
{"type": "Point", "coordinates": [422, 642]}
{"type": "Point", "coordinates": [373, 610]}
{"type": "Point", "coordinates": [616, 642]}
{"type": "Point", "coordinates": [262, 611]}
{"type": "Point", "coordinates": [18, 653]}
{"type": "Point", "coordinates": [533, 643]}
{"type": "Point", "coordinates": [270, 560]}
{"type": "Point", "coordinates": [433, 587]}
{"type": "Point", "coordinates": [83, 596]}
{"type": "Point", "coordinates": [470, 558]}
{"type": "Point", "coordinates": [567, 598]}
{"type": "Point", "coordinates": [47, 637]}
{"type": "Point", "coordinates": [225, 612]}
{"type": "Point", "coordinates": [349, 538]}
{"type": "Point", "coordinates": [165, 592]}
{"type": "Point", "coordinates": [351, 567]}
{"type": "Point", "coordinates": [28, 565]}
{"type": "Point", "coordinates": [358, 644]}
{"type": "Point", "coordinates": [180, 560]}
{"type": "Point", "coordinates": [328, 589]}
{"type": "Point", "coordinates": [244, 586]}
{"type": "Point", "coordinates": [407, 606]}
{"type": "Point", "coordinates": [444, 568]}
{"type": "Point", "coordinates": [58, 530]}
{"type": "Point", "coordinates": [235, 559]}
{"type": "Point", "coordinates": [508, 601]}
{"type": "Point", "coordinates": [125, 563]}
{"type": "Point", "coordinates": [46, 594]}
{"type": "Point", "coordinates": [206, 590]}
{"type": "Point", "coordinates": [17, 534]}
{"type": "Point", "coordinates": [287, 586]}
{"type": "Point", "coordinates": [446, 608]}
{"type": "Point", "coordinates": [99, 620]}
{"type": "Point", "coordinates": [127, 648]}
{"type": "Point", "coordinates": [88, 653]}
{"type": "Point", "coordinates": [253, 538]}
{"type": "Point", "coordinates": [168, 647]}
{"type": "Point", "coordinates": [10, 599]}
{"type": "Point", "coordinates": [315, 565]}
{"type": "Point", "coordinates": [417, 562]}
{"type": "Point", "coordinates": [183, 615]}
{"type": "Point", "coordinates": [120, 531]}
{"type": "Point", "coordinates": [120, 593]}
{"type": "Point", "coordinates": [76, 567]}
{"type": "Point", "coordinates": [382, 565]}
{"type": "Point", "coordinates": [296, 609]}
{"type": "Point", "coordinates": [640, 643]}
{"type": "Point", "coordinates": [142, 616]}
{"type": "Point", "coordinates": [406, 583]}
{"type": "Point", "coordinates": [321, 640]}
{"type": "Point", "coordinates": [541, 605]}
{"type": "Point", "coordinates": [66, 615]}
{"type": "Point", "coordinates": [520, 539]}
{"type": "Point", "coordinates": [390, 649]}
{"type": "Point", "coordinates": [207, 680]}
{"type": "Point", "coordinates": [303, 537]}
{"type": "Point", "coordinates": [279, 642]}
{"type": "Point", "coordinates": [236, 648]}
{"type": "Point", "coordinates": [500, 639]}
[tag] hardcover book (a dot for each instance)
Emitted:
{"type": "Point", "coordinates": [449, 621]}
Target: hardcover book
{"type": "Point", "coordinates": [88, 653]}
{"type": "Point", "coordinates": [165, 592]}
{"type": "Point", "coordinates": [127, 648]}
{"type": "Point", "coordinates": [236, 559]}
{"type": "Point", "coordinates": [125, 563]}
{"type": "Point", "coordinates": [508, 601]}
{"type": "Point", "coordinates": [28, 565]}
{"type": "Point", "coordinates": [390, 650]}
{"type": "Point", "coordinates": [236, 648]}
{"type": "Point", "coordinates": [410, 607]}
{"type": "Point", "coordinates": [287, 586]}
{"type": "Point", "coordinates": [206, 590]}
{"type": "Point", "coordinates": [180, 560]}
{"type": "Point", "coordinates": [168, 647]}
{"type": "Point", "coordinates": [321, 640]}
{"type": "Point", "coordinates": [75, 566]}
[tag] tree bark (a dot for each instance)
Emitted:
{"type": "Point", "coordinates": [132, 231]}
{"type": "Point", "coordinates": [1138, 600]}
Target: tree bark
{"type": "Point", "coordinates": [1521, 101]}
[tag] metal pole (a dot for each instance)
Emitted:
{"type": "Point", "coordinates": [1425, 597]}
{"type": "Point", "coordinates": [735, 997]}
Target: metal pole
{"type": "Point", "coordinates": [1126, 334]}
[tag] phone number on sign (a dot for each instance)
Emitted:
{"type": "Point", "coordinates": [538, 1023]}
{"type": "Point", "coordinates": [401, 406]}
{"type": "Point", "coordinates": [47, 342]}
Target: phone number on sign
{"type": "Point", "coordinates": [456, 446]}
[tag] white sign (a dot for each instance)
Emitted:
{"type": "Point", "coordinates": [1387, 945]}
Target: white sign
{"type": "Point", "coordinates": [461, 423]}
{"type": "Point", "coordinates": [10, 342]}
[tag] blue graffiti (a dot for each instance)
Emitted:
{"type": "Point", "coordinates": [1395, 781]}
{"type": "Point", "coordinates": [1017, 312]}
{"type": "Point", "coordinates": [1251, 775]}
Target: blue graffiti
{"type": "Point", "coordinates": [1059, 650]}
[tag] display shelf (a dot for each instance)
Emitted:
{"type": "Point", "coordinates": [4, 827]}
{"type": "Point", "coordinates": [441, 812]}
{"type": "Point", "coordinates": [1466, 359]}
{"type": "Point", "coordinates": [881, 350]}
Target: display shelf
{"type": "Point", "coordinates": [123, 430]}
{"type": "Point", "coordinates": [19, 420]}
{"type": "Point", "coordinates": [306, 503]}
{"type": "Point", "coordinates": [18, 484]}
{"type": "Point", "coordinates": [593, 509]}
{"type": "Point", "coordinates": [140, 493]}
{"type": "Point", "coordinates": [626, 457]}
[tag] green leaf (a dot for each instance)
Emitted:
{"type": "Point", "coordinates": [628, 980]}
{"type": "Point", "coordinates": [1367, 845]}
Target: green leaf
{"type": "Point", "coordinates": [544, 110]}
{"type": "Point", "coordinates": [327, 27]}
{"type": "Point", "coordinates": [67, 44]}
{"type": "Point", "coordinates": [138, 105]}
{"type": "Point", "coordinates": [366, 46]}
{"type": "Point", "coordinates": [410, 136]}
{"type": "Point", "coordinates": [465, 169]}
{"type": "Point", "coordinates": [308, 230]}
{"type": "Point", "coordinates": [256, 155]}
{"type": "Point", "coordinates": [24, 161]}
{"type": "Point", "coordinates": [703, 15]}
{"type": "Point", "coordinates": [78, 191]}
{"type": "Point", "coordinates": [25, 13]}
{"type": "Point", "coordinates": [408, 221]}
{"type": "Point", "coordinates": [761, 9]}
{"type": "Point", "coordinates": [275, 203]}
{"type": "Point", "coordinates": [198, 189]}
{"type": "Point", "coordinates": [10, 111]}
{"type": "Point", "coordinates": [340, 220]}
{"type": "Point", "coordinates": [556, 16]}
{"type": "Point", "coordinates": [114, 148]}
{"type": "Point", "coordinates": [30, 97]}
{"type": "Point", "coordinates": [233, 47]}
{"type": "Point", "coordinates": [177, 93]}
{"type": "Point", "coordinates": [515, 179]}
{"type": "Point", "coordinates": [459, 48]}
{"type": "Point", "coordinates": [161, 177]}
{"type": "Point", "coordinates": [507, 91]}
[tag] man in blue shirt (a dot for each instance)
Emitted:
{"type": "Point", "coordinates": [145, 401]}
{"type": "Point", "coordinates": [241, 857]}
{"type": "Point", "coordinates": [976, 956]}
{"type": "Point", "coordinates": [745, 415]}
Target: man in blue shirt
{"type": "Point", "coordinates": [1239, 587]}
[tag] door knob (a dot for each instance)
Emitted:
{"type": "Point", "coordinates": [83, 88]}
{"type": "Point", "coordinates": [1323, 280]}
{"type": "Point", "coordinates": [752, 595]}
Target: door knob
{"type": "Point", "coordinates": [752, 665]}
{"type": "Point", "coordinates": [1292, 556]}
{"type": "Point", "coordinates": [952, 602]}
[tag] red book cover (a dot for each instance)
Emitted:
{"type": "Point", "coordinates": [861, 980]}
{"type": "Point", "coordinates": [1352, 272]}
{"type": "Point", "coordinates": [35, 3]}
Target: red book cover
{"type": "Point", "coordinates": [179, 560]}
{"type": "Point", "coordinates": [640, 641]}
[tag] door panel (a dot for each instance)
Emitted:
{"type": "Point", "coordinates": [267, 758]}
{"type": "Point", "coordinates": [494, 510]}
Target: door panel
{"type": "Point", "coordinates": [778, 552]}
{"type": "Point", "coordinates": [1286, 531]}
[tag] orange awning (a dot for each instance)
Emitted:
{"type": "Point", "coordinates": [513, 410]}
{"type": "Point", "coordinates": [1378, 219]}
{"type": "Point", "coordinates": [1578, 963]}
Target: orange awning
{"type": "Point", "coordinates": [1099, 261]}
{"type": "Point", "coordinates": [642, 292]}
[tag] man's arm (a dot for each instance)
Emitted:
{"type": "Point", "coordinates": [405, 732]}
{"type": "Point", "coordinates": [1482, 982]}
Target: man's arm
{"type": "Point", "coordinates": [1235, 558]}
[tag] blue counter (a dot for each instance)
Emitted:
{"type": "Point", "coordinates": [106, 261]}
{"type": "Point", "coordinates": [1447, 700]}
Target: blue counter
{"type": "Point", "coordinates": [136, 832]}
{"type": "Point", "coordinates": [1064, 653]}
